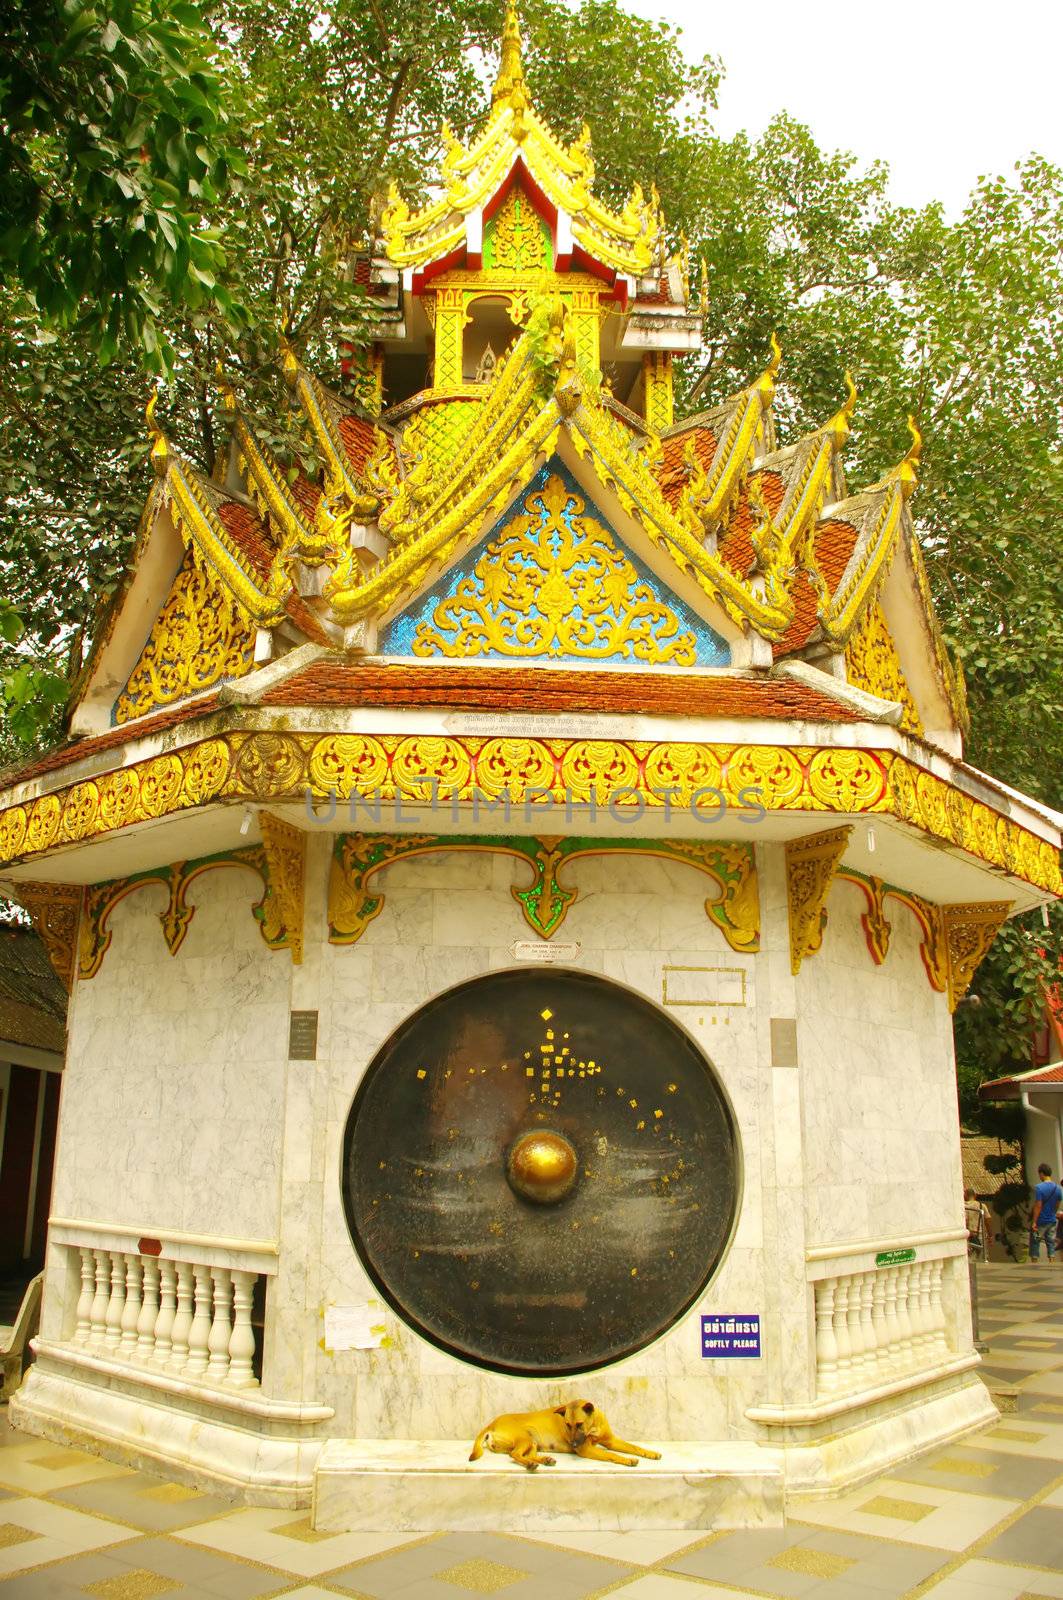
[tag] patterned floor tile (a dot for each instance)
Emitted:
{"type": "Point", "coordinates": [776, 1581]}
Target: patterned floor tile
{"type": "Point", "coordinates": [268, 1535]}
{"type": "Point", "coordinates": [1046, 1383]}
{"type": "Point", "coordinates": [980, 1472]}
{"type": "Point", "coordinates": [1022, 1436]}
{"type": "Point", "coordinates": [661, 1586]}
{"type": "Point", "coordinates": [989, 1580]}
{"type": "Point", "coordinates": [798, 1562]}
{"type": "Point", "coordinates": [144, 1502]}
{"type": "Point", "coordinates": [35, 1467]}
{"type": "Point", "coordinates": [1036, 1537]}
{"type": "Point", "coordinates": [33, 1532]}
{"type": "Point", "coordinates": [914, 1513]}
{"type": "Point", "coordinates": [446, 1568]}
{"type": "Point", "coordinates": [640, 1549]}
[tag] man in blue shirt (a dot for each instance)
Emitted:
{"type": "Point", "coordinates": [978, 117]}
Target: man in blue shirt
{"type": "Point", "coordinates": [1046, 1201]}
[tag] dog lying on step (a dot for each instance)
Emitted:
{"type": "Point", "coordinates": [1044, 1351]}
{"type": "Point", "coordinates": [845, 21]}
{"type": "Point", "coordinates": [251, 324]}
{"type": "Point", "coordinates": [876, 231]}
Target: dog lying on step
{"type": "Point", "coordinates": [575, 1429]}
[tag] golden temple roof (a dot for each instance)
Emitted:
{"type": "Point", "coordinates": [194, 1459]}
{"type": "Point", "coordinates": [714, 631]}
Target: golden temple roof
{"type": "Point", "coordinates": [513, 138]}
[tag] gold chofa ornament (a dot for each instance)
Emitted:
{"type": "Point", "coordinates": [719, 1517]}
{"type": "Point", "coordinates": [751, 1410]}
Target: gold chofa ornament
{"type": "Point", "coordinates": [555, 584]}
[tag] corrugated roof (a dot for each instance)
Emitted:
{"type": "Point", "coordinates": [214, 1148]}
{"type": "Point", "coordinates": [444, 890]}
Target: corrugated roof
{"type": "Point", "coordinates": [32, 999]}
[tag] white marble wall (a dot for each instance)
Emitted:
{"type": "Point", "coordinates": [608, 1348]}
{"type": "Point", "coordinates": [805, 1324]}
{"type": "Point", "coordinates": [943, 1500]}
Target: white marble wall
{"type": "Point", "coordinates": [174, 1090]}
{"type": "Point", "coordinates": [180, 1110]}
{"type": "Point", "coordinates": [882, 1156]}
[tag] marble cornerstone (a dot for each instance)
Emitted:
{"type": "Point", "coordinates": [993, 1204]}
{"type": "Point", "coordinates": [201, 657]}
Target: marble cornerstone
{"type": "Point", "coordinates": [513, 892]}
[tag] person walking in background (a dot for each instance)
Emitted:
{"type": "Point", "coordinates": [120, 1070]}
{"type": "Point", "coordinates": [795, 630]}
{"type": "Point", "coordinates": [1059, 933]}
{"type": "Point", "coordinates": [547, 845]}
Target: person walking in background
{"type": "Point", "coordinates": [977, 1215]}
{"type": "Point", "coordinates": [1046, 1201]}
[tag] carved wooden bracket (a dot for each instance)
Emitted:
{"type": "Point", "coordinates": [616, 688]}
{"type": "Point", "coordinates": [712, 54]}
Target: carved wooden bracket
{"type": "Point", "coordinates": [810, 867]}
{"type": "Point", "coordinates": [55, 910]}
{"type": "Point", "coordinates": [969, 934]}
{"type": "Point", "coordinates": [285, 849]}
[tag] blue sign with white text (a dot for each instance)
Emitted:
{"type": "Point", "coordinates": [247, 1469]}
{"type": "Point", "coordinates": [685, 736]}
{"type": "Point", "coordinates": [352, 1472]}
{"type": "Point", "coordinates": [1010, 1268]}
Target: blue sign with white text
{"type": "Point", "coordinates": [730, 1336]}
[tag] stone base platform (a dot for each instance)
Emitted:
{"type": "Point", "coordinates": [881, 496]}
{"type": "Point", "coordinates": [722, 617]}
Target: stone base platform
{"type": "Point", "coordinates": [411, 1486]}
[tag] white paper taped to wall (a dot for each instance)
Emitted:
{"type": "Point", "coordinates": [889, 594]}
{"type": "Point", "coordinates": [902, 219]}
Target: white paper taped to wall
{"type": "Point", "coordinates": [359, 1327]}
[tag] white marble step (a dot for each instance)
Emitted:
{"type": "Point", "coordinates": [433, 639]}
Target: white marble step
{"type": "Point", "coordinates": [410, 1485]}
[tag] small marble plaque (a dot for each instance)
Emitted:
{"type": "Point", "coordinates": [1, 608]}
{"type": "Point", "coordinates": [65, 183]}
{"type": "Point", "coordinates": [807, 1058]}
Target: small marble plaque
{"type": "Point", "coordinates": [703, 986]}
{"type": "Point", "coordinates": [540, 950]}
{"type": "Point", "coordinates": [302, 1036]}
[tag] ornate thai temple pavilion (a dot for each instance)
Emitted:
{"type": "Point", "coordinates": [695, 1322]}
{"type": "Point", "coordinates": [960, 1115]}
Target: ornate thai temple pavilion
{"type": "Point", "coordinates": [513, 892]}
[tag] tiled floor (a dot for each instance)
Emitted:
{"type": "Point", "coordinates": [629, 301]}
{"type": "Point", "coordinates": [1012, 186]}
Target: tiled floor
{"type": "Point", "coordinates": [979, 1520]}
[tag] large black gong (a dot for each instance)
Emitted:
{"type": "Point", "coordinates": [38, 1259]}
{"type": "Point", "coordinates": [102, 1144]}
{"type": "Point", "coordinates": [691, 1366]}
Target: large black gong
{"type": "Point", "coordinates": [540, 1171]}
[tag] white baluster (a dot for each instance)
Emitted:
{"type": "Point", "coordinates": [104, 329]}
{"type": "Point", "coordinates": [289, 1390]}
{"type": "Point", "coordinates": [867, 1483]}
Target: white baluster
{"type": "Point", "coordinates": [905, 1327]}
{"type": "Point", "coordinates": [893, 1327]}
{"type": "Point", "coordinates": [83, 1330]}
{"type": "Point", "coordinates": [937, 1304]}
{"type": "Point", "coordinates": [867, 1326]}
{"type": "Point", "coordinates": [164, 1320]}
{"type": "Point", "coordinates": [131, 1310]}
{"type": "Point", "coordinates": [182, 1322]}
{"type": "Point", "coordinates": [856, 1333]}
{"type": "Point", "coordinates": [921, 1296]}
{"type": "Point", "coordinates": [101, 1297]}
{"type": "Point", "coordinates": [242, 1343]}
{"type": "Point", "coordinates": [221, 1328]}
{"type": "Point", "coordinates": [116, 1303]}
{"type": "Point", "coordinates": [880, 1332]}
{"type": "Point", "coordinates": [841, 1333]}
{"type": "Point", "coordinates": [199, 1332]}
{"type": "Point", "coordinates": [149, 1311]}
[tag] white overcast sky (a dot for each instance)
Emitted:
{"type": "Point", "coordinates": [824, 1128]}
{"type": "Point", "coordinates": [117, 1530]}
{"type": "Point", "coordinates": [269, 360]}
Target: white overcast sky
{"type": "Point", "coordinates": [943, 91]}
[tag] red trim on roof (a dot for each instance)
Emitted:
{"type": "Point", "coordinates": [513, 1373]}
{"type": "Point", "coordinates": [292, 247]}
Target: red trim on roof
{"type": "Point", "coordinates": [524, 689]}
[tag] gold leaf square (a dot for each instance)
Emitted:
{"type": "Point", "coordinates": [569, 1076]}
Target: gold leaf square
{"type": "Point", "coordinates": [301, 1529]}
{"type": "Point", "coordinates": [11, 1533]}
{"type": "Point", "coordinates": [812, 1563]}
{"type": "Point", "coordinates": [481, 1577]}
{"type": "Point", "coordinates": [137, 1585]}
{"type": "Point", "coordinates": [884, 1505]}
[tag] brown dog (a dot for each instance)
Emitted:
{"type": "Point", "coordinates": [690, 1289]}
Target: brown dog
{"type": "Point", "coordinates": [577, 1428]}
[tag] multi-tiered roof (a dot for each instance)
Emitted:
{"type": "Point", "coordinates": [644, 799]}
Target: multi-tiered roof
{"type": "Point", "coordinates": [514, 521]}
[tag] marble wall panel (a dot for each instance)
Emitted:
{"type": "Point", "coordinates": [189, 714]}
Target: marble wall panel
{"type": "Point", "coordinates": [173, 1094]}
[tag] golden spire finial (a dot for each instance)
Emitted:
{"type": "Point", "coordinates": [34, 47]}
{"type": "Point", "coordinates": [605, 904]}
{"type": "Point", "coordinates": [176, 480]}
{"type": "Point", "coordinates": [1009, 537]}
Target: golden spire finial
{"type": "Point", "coordinates": [160, 450]}
{"type": "Point", "coordinates": [510, 68]}
{"type": "Point", "coordinates": [907, 472]}
{"type": "Point", "coordinates": [842, 421]}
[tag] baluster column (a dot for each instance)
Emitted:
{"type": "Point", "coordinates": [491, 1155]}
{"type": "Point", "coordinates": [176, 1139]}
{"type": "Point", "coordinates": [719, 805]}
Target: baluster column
{"type": "Point", "coordinates": [83, 1330]}
{"type": "Point", "coordinates": [149, 1310]}
{"type": "Point", "coordinates": [101, 1297]}
{"type": "Point", "coordinates": [221, 1327]}
{"type": "Point", "coordinates": [116, 1303]}
{"type": "Point", "coordinates": [826, 1343]}
{"type": "Point", "coordinates": [199, 1332]}
{"type": "Point", "coordinates": [131, 1309]}
{"type": "Point", "coordinates": [182, 1321]}
{"type": "Point", "coordinates": [841, 1333]}
{"type": "Point", "coordinates": [242, 1343]}
{"type": "Point", "coordinates": [164, 1321]}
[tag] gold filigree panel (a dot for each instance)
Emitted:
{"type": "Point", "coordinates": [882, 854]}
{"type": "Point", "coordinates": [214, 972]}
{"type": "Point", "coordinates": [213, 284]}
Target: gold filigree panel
{"type": "Point", "coordinates": [200, 637]}
{"type": "Point", "coordinates": [264, 767]}
{"type": "Point", "coordinates": [556, 583]}
{"type": "Point", "coordinates": [515, 239]}
{"type": "Point", "coordinates": [872, 663]}
{"type": "Point", "coordinates": [55, 911]}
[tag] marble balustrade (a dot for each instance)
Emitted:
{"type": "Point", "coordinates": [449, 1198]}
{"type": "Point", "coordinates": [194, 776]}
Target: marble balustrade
{"type": "Point", "coordinates": [188, 1319]}
{"type": "Point", "coordinates": [872, 1325]}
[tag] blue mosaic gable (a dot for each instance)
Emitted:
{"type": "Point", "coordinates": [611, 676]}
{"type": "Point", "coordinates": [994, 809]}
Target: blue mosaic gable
{"type": "Point", "coordinates": [488, 609]}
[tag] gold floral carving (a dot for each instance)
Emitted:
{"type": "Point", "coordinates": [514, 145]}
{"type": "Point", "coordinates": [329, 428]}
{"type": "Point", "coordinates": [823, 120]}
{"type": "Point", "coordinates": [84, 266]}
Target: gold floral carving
{"type": "Point", "coordinates": [55, 911]}
{"type": "Point", "coordinates": [176, 916]}
{"type": "Point", "coordinates": [872, 663]}
{"type": "Point", "coordinates": [514, 237]}
{"type": "Point", "coordinates": [200, 637]}
{"type": "Point", "coordinates": [810, 866]}
{"type": "Point", "coordinates": [268, 767]}
{"type": "Point", "coordinates": [969, 933]}
{"type": "Point", "coordinates": [545, 902]}
{"type": "Point", "coordinates": [659, 401]}
{"type": "Point", "coordinates": [555, 583]}
{"type": "Point", "coordinates": [285, 849]}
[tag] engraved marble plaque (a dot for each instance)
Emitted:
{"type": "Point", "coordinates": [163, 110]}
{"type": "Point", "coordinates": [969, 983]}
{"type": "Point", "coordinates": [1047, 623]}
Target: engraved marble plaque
{"type": "Point", "coordinates": [540, 1171]}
